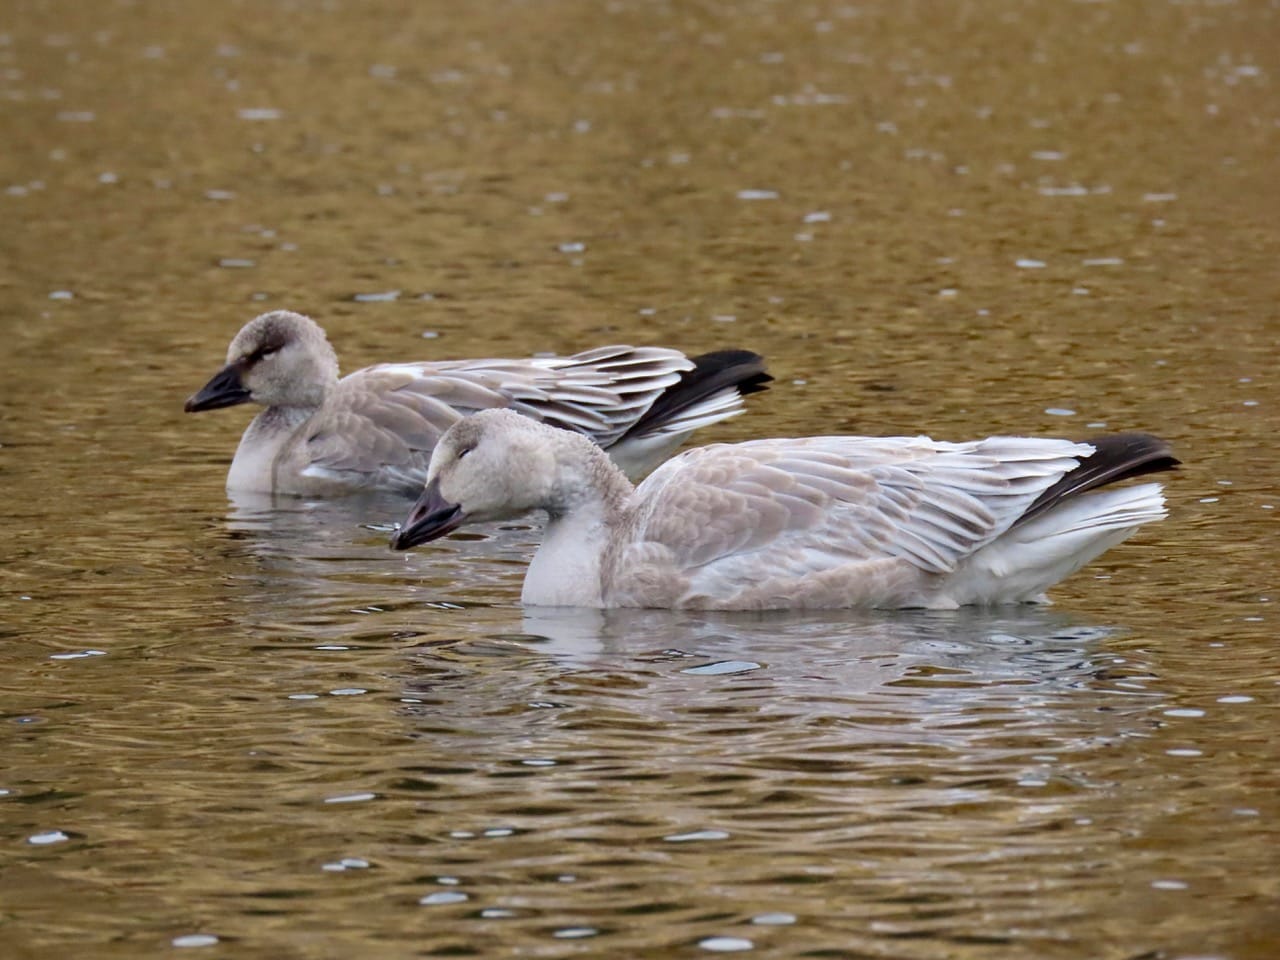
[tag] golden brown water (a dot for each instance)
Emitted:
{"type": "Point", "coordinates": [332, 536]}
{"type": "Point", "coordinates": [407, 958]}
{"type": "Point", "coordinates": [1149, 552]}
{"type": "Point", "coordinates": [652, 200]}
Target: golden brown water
{"type": "Point", "coordinates": [252, 722]}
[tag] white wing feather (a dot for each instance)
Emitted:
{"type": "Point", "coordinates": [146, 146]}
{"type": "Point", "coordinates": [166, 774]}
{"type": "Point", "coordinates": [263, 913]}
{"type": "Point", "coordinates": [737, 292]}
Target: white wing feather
{"type": "Point", "coordinates": [387, 418]}
{"type": "Point", "coordinates": [755, 511]}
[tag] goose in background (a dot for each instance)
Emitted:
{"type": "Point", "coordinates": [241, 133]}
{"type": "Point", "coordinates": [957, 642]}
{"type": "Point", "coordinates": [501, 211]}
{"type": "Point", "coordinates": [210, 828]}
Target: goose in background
{"type": "Point", "coordinates": [375, 428]}
{"type": "Point", "coordinates": [816, 522]}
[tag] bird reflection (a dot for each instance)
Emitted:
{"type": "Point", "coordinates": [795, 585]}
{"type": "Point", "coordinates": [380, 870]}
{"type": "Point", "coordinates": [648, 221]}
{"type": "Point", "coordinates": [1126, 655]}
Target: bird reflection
{"type": "Point", "coordinates": [939, 667]}
{"type": "Point", "coordinates": [321, 570]}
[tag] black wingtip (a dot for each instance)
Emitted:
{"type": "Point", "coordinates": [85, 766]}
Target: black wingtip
{"type": "Point", "coordinates": [741, 368]}
{"type": "Point", "coordinates": [1115, 457]}
{"type": "Point", "coordinates": [712, 372]}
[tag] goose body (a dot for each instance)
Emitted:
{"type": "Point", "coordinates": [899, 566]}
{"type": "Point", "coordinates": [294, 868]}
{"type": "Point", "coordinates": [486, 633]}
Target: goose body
{"type": "Point", "coordinates": [816, 522]}
{"type": "Point", "coordinates": [375, 428]}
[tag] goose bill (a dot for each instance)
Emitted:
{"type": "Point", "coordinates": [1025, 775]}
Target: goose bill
{"type": "Point", "coordinates": [225, 390]}
{"type": "Point", "coordinates": [431, 518]}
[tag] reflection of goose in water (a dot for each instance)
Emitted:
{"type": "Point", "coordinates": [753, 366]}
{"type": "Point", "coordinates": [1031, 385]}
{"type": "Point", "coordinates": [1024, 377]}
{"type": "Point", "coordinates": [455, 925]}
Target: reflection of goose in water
{"type": "Point", "coordinates": [922, 669]}
{"type": "Point", "coordinates": [912, 767]}
{"type": "Point", "coordinates": [319, 569]}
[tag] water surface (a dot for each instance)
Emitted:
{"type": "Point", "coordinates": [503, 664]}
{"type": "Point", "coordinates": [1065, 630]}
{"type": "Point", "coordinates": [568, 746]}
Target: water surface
{"type": "Point", "coordinates": [246, 728]}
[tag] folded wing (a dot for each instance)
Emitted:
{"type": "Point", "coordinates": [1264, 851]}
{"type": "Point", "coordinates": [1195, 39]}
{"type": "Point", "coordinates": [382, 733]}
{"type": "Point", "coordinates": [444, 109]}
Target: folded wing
{"type": "Point", "coordinates": [390, 416]}
{"type": "Point", "coordinates": [792, 507]}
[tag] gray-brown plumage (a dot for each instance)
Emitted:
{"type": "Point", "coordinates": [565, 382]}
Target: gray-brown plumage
{"type": "Point", "coordinates": [815, 522]}
{"type": "Point", "coordinates": [376, 428]}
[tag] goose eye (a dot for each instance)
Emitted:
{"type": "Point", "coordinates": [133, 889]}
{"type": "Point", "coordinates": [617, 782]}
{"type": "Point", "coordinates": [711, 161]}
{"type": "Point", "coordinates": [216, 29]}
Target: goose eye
{"type": "Point", "coordinates": [264, 351]}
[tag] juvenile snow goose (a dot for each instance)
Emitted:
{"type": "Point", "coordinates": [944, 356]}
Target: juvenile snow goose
{"type": "Point", "coordinates": [375, 428]}
{"type": "Point", "coordinates": [817, 522]}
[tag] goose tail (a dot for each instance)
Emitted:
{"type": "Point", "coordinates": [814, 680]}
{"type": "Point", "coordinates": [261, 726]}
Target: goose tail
{"type": "Point", "coordinates": [1020, 565]}
{"type": "Point", "coordinates": [713, 390]}
{"type": "Point", "coordinates": [1115, 457]}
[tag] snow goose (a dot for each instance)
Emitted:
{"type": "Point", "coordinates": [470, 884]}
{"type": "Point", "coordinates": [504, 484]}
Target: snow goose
{"type": "Point", "coordinates": [375, 428]}
{"type": "Point", "coordinates": [817, 522]}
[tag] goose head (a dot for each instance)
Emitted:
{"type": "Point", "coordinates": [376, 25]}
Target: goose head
{"type": "Point", "coordinates": [277, 359]}
{"type": "Point", "coordinates": [493, 465]}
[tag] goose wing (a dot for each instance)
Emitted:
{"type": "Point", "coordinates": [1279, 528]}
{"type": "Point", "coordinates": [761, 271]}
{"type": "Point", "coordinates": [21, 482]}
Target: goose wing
{"type": "Point", "coordinates": [602, 393]}
{"type": "Point", "coordinates": [386, 419]}
{"type": "Point", "coordinates": [771, 507]}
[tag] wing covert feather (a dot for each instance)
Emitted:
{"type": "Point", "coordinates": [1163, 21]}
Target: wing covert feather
{"type": "Point", "coordinates": [388, 417]}
{"type": "Point", "coordinates": [815, 503]}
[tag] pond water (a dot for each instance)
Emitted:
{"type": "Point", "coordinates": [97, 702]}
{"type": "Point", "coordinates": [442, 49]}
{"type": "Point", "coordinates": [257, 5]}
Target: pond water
{"type": "Point", "coordinates": [247, 729]}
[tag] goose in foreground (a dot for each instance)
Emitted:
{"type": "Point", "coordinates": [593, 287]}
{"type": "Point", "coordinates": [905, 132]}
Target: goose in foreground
{"type": "Point", "coordinates": [375, 428]}
{"type": "Point", "coordinates": [817, 522]}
